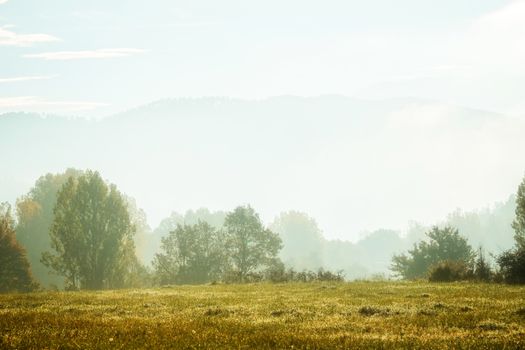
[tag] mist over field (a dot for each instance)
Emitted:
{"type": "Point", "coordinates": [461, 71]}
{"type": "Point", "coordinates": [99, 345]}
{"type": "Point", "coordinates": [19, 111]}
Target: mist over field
{"type": "Point", "coordinates": [354, 165]}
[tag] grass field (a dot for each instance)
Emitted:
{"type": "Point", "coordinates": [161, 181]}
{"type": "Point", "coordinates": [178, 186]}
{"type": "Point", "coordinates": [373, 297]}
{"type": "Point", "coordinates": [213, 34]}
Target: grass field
{"type": "Point", "coordinates": [314, 315]}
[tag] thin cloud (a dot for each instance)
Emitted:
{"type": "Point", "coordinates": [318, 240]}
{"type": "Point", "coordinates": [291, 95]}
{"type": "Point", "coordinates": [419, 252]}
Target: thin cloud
{"type": "Point", "coordinates": [496, 41]}
{"type": "Point", "coordinates": [10, 38]}
{"type": "Point", "coordinates": [3, 2]}
{"type": "Point", "coordinates": [32, 102]}
{"type": "Point", "coordinates": [88, 54]}
{"type": "Point", "coordinates": [26, 78]}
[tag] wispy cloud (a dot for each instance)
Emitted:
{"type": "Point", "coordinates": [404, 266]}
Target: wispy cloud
{"type": "Point", "coordinates": [10, 38]}
{"type": "Point", "coordinates": [88, 54]}
{"type": "Point", "coordinates": [26, 78]}
{"type": "Point", "coordinates": [496, 40]}
{"type": "Point", "coordinates": [3, 2]}
{"type": "Point", "coordinates": [33, 102]}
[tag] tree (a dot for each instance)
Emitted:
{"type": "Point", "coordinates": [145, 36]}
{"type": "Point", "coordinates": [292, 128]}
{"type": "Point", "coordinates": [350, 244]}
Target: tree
{"type": "Point", "coordinates": [214, 219]}
{"type": "Point", "coordinates": [512, 265]}
{"type": "Point", "coordinates": [444, 245]}
{"type": "Point", "coordinates": [15, 273]}
{"type": "Point", "coordinates": [375, 250]}
{"type": "Point", "coordinates": [143, 232]}
{"type": "Point", "coordinates": [512, 262]}
{"type": "Point", "coordinates": [482, 270]}
{"type": "Point", "coordinates": [91, 235]}
{"type": "Point", "coordinates": [519, 222]}
{"type": "Point", "coordinates": [302, 240]}
{"type": "Point", "coordinates": [478, 226]}
{"type": "Point", "coordinates": [250, 246]}
{"type": "Point", "coordinates": [35, 216]}
{"type": "Point", "coordinates": [190, 254]}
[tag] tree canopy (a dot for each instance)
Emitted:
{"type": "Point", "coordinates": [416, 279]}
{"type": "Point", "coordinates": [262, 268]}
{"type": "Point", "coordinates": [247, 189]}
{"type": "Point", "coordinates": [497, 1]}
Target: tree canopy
{"type": "Point", "coordinates": [35, 216]}
{"type": "Point", "coordinates": [190, 254]}
{"type": "Point", "coordinates": [250, 245]}
{"type": "Point", "coordinates": [512, 262]}
{"type": "Point", "coordinates": [169, 224]}
{"type": "Point", "coordinates": [519, 222]}
{"type": "Point", "coordinates": [303, 242]}
{"type": "Point", "coordinates": [15, 273]}
{"type": "Point", "coordinates": [91, 235]}
{"type": "Point", "coordinates": [444, 244]}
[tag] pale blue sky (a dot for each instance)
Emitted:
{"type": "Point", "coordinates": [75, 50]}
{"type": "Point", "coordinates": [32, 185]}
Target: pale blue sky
{"type": "Point", "coordinates": [255, 49]}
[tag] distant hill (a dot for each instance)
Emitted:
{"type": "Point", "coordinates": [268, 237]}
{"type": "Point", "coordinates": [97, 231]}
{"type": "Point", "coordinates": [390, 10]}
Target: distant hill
{"type": "Point", "coordinates": [352, 164]}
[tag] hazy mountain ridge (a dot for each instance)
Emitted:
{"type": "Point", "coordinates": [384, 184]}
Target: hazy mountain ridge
{"type": "Point", "coordinates": [317, 147]}
{"type": "Point", "coordinates": [282, 108]}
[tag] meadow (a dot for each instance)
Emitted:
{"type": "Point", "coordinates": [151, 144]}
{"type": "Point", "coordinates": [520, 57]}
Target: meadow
{"type": "Point", "coordinates": [367, 315]}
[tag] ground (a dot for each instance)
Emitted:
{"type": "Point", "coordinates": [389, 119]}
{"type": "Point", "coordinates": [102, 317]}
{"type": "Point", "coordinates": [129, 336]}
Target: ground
{"type": "Point", "coordinates": [388, 315]}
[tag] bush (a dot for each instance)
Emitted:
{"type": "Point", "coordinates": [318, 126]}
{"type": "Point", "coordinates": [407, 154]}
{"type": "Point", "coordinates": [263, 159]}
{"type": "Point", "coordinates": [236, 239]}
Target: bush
{"type": "Point", "coordinates": [277, 273]}
{"type": "Point", "coordinates": [449, 271]}
{"type": "Point", "coordinates": [482, 270]}
{"type": "Point", "coordinates": [233, 276]}
{"type": "Point", "coordinates": [512, 266]}
{"type": "Point", "coordinates": [326, 275]}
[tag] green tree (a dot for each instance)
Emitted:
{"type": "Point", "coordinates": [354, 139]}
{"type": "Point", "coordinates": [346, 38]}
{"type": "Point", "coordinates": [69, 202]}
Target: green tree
{"type": "Point", "coordinates": [250, 246]}
{"type": "Point", "coordinates": [35, 216]}
{"type": "Point", "coordinates": [91, 235]}
{"type": "Point", "coordinates": [191, 217]}
{"type": "Point", "coordinates": [443, 245]}
{"type": "Point", "coordinates": [15, 273]}
{"type": "Point", "coordinates": [482, 270]}
{"type": "Point", "coordinates": [519, 222]}
{"type": "Point", "coordinates": [512, 265]}
{"type": "Point", "coordinates": [190, 254]}
{"type": "Point", "coordinates": [512, 262]}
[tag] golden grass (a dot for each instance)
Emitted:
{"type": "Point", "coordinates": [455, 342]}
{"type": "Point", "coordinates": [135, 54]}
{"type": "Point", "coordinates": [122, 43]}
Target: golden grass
{"type": "Point", "coordinates": [384, 315]}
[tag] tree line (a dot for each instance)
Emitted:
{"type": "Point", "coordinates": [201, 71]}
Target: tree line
{"type": "Point", "coordinates": [445, 255]}
{"type": "Point", "coordinates": [91, 236]}
{"type": "Point", "coordinates": [85, 232]}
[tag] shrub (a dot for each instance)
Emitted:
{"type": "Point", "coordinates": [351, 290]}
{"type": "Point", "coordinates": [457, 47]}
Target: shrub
{"type": "Point", "coordinates": [279, 274]}
{"type": "Point", "coordinates": [448, 271]}
{"type": "Point", "coordinates": [512, 266]}
{"type": "Point", "coordinates": [233, 276]}
{"type": "Point", "coordinates": [326, 275]}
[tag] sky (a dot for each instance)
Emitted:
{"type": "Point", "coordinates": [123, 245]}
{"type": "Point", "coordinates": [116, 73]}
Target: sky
{"type": "Point", "coordinates": [97, 58]}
